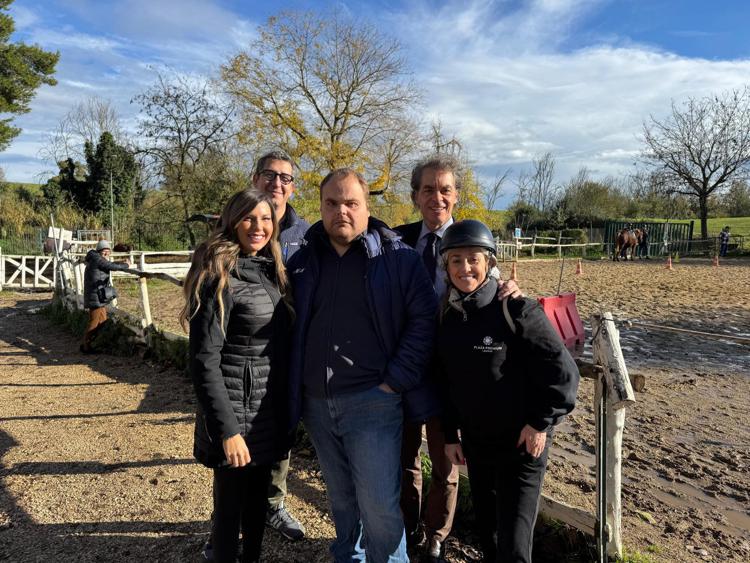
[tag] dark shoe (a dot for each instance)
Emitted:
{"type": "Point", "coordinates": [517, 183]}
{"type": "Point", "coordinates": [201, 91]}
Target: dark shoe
{"type": "Point", "coordinates": [287, 525]}
{"type": "Point", "coordinates": [208, 551]}
{"type": "Point", "coordinates": [415, 538]}
{"type": "Point", "coordinates": [434, 552]}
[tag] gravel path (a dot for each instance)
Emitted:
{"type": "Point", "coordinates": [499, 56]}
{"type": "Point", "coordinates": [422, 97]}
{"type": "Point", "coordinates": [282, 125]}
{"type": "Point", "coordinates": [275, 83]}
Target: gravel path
{"type": "Point", "coordinates": [96, 461]}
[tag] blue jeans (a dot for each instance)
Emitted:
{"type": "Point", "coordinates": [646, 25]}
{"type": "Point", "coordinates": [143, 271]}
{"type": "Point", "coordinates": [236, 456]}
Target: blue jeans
{"type": "Point", "coordinates": [357, 437]}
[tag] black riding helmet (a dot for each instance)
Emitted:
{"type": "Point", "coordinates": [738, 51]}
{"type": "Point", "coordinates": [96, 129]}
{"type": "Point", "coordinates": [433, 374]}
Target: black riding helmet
{"type": "Point", "coordinates": [467, 233]}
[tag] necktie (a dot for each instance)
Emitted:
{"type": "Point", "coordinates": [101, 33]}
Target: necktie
{"type": "Point", "coordinates": [429, 255]}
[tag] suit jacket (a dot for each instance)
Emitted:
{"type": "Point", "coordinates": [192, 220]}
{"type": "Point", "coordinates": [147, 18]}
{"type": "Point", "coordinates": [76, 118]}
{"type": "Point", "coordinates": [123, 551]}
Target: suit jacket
{"type": "Point", "coordinates": [410, 233]}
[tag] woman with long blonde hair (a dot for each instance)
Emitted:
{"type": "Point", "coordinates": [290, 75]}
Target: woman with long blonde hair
{"type": "Point", "coordinates": [239, 320]}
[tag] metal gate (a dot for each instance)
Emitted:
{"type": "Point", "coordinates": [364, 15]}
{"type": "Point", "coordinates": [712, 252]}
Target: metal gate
{"type": "Point", "coordinates": [663, 238]}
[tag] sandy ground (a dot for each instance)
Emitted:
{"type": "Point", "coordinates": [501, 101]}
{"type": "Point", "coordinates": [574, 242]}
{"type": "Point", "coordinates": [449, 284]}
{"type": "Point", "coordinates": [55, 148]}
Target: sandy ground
{"type": "Point", "coordinates": [95, 451]}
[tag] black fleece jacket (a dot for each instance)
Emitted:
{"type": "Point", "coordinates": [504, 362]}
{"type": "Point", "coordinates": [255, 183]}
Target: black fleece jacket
{"type": "Point", "coordinates": [494, 382]}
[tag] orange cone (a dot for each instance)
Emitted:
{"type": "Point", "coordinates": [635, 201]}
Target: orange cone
{"type": "Point", "coordinates": [669, 263]}
{"type": "Point", "coordinates": [579, 268]}
{"type": "Point", "coordinates": [514, 272]}
{"type": "Point", "coordinates": [716, 260]}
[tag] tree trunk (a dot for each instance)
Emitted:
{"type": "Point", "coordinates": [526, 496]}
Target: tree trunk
{"type": "Point", "coordinates": [703, 202]}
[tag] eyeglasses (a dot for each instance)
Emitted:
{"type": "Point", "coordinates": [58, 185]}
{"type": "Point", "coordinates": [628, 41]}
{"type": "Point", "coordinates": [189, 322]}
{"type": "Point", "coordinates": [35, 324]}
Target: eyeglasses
{"type": "Point", "coordinates": [270, 175]}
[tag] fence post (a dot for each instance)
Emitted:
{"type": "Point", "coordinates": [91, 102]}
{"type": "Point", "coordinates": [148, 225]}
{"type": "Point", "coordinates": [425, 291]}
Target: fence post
{"type": "Point", "coordinates": [145, 305]}
{"type": "Point", "coordinates": [533, 245]}
{"type": "Point", "coordinates": [2, 269]}
{"type": "Point", "coordinates": [559, 245]}
{"type": "Point", "coordinates": [613, 394]}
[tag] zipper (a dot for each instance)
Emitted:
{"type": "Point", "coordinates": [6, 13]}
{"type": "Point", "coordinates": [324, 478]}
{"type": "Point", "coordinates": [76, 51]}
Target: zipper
{"type": "Point", "coordinates": [247, 383]}
{"type": "Point", "coordinates": [205, 427]}
{"type": "Point", "coordinates": [371, 306]}
{"type": "Point", "coordinates": [330, 327]}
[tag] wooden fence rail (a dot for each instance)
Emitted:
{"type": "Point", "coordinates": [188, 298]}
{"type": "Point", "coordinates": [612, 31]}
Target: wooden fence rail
{"type": "Point", "coordinates": [33, 272]}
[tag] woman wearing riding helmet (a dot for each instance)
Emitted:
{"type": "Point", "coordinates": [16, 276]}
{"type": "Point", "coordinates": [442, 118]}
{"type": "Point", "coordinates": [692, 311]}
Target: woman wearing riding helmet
{"type": "Point", "coordinates": [506, 379]}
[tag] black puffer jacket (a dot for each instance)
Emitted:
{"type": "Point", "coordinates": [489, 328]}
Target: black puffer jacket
{"type": "Point", "coordinates": [97, 276]}
{"type": "Point", "coordinates": [494, 381]}
{"type": "Point", "coordinates": [240, 374]}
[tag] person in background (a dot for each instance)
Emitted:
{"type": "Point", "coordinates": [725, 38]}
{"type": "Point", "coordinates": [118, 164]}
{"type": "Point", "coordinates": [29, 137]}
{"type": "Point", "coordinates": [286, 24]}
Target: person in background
{"type": "Point", "coordinates": [240, 326]}
{"type": "Point", "coordinates": [274, 176]}
{"type": "Point", "coordinates": [724, 241]}
{"type": "Point", "coordinates": [643, 249]}
{"type": "Point", "coordinates": [363, 339]}
{"type": "Point", "coordinates": [506, 380]}
{"type": "Point", "coordinates": [435, 186]}
{"type": "Point", "coordinates": [97, 289]}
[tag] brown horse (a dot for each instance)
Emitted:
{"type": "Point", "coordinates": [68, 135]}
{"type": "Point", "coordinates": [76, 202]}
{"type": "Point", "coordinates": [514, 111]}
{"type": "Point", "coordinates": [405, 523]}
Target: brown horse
{"type": "Point", "coordinates": [626, 240]}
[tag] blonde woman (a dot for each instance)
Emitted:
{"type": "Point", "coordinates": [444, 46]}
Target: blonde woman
{"type": "Point", "coordinates": [507, 380]}
{"type": "Point", "coordinates": [239, 327]}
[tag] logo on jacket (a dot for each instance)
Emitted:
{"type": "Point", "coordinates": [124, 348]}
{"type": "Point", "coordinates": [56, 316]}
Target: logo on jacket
{"type": "Point", "coordinates": [489, 345]}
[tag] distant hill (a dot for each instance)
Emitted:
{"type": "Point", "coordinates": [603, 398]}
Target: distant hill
{"type": "Point", "coordinates": [33, 189]}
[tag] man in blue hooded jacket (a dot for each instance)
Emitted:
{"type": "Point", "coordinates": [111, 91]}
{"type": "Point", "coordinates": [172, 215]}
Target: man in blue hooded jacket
{"type": "Point", "coordinates": [363, 338]}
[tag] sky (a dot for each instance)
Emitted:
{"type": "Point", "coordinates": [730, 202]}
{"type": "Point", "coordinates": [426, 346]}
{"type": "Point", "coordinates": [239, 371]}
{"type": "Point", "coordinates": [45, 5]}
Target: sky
{"type": "Point", "coordinates": [511, 78]}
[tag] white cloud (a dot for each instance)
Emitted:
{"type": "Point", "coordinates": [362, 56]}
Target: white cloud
{"type": "Point", "coordinates": [22, 16]}
{"type": "Point", "coordinates": [498, 74]}
{"type": "Point", "coordinates": [501, 82]}
{"type": "Point", "coordinates": [69, 39]}
{"type": "Point", "coordinates": [80, 85]}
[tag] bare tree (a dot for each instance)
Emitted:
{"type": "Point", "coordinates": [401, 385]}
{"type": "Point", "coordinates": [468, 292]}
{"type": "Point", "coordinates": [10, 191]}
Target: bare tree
{"type": "Point", "coordinates": [328, 90]}
{"type": "Point", "coordinates": [494, 191]}
{"type": "Point", "coordinates": [536, 185]}
{"type": "Point", "coordinates": [183, 121]}
{"type": "Point", "coordinates": [701, 146]}
{"type": "Point", "coordinates": [85, 122]}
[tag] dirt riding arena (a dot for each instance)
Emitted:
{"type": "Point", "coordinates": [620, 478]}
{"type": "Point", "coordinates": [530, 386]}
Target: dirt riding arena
{"type": "Point", "coordinates": [95, 451]}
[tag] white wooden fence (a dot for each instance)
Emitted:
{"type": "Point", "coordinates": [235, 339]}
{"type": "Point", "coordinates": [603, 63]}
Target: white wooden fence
{"type": "Point", "coordinates": [514, 248]}
{"type": "Point", "coordinates": [39, 272]}
{"type": "Point", "coordinates": [33, 272]}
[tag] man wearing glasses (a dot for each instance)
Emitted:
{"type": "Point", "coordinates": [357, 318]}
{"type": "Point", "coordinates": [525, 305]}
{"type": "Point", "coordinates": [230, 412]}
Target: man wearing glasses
{"type": "Point", "coordinates": [274, 175]}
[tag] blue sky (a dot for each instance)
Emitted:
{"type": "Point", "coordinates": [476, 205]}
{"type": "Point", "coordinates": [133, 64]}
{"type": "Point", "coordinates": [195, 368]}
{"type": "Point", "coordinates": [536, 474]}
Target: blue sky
{"type": "Point", "coordinates": [511, 78]}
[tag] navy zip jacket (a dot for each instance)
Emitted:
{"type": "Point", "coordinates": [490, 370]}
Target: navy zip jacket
{"type": "Point", "coordinates": [403, 307]}
{"type": "Point", "coordinates": [292, 229]}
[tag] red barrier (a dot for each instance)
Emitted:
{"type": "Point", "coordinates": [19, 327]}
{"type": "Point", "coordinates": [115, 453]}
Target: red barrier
{"type": "Point", "coordinates": [562, 313]}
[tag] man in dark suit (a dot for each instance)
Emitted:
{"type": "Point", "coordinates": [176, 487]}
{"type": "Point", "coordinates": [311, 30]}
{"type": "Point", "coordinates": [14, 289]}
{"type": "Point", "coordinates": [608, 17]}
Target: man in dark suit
{"type": "Point", "coordinates": [435, 185]}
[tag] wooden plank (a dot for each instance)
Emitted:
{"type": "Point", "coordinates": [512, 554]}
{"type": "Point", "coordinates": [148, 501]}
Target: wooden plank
{"type": "Point", "coordinates": [578, 518]}
{"type": "Point", "coordinates": [145, 303]}
{"type": "Point", "coordinates": [619, 395]}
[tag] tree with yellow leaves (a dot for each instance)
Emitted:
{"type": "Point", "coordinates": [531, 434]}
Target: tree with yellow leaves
{"type": "Point", "coordinates": [330, 92]}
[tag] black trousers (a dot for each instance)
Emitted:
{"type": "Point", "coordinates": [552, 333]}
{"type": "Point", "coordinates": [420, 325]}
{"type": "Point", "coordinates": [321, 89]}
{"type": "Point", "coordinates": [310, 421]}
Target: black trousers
{"type": "Point", "coordinates": [505, 491]}
{"type": "Point", "coordinates": [240, 501]}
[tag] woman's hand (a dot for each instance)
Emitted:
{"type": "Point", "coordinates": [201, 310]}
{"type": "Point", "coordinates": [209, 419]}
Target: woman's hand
{"type": "Point", "coordinates": [533, 439]}
{"type": "Point", "coordinates": [508, 288]}
{"type": "Point", "coordinates": [455, 454]}
{"type": "Point", "coordinates": [236, 451]}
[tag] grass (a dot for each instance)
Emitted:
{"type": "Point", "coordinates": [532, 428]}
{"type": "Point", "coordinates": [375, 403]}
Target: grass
{"type": "Point", "coordinates": [629, 556]}
{"type": "Point", "coordinates": [737, 225]}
